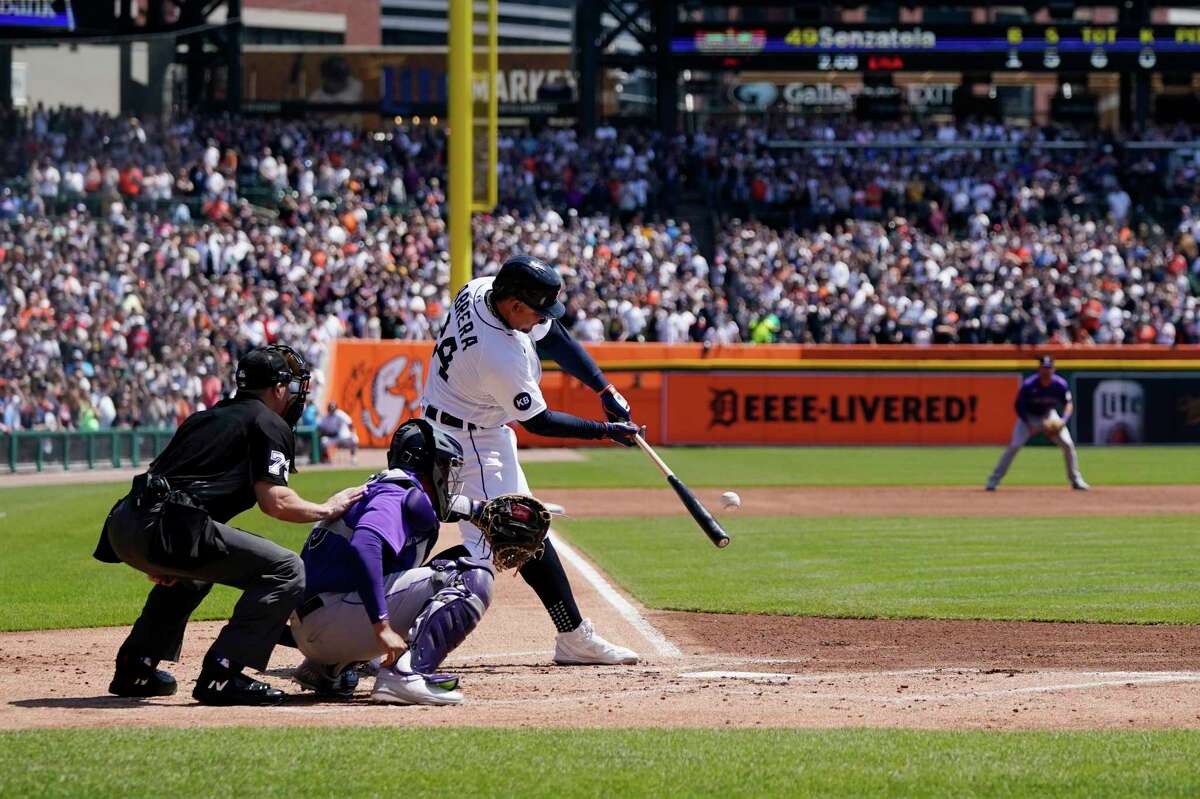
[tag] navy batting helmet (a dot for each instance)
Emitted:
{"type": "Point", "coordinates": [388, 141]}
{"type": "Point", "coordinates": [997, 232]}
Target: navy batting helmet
{"type": "Point", "coordinates": [531, 281]}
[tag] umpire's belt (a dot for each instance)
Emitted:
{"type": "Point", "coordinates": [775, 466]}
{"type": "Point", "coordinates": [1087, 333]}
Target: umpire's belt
{"type": "Point", "coordinates": [310, 605]}
{"type": "Point", "coordinates": [448, 419]}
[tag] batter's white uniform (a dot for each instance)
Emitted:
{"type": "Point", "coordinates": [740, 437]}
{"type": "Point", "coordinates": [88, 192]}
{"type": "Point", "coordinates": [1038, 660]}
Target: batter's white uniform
{"type": "Point", "coordinates": [484, 375]}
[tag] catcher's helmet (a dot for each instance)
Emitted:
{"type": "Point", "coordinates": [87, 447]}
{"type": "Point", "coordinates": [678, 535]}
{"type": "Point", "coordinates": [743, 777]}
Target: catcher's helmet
{"type": "Point", "coordinates": [266, 367]}
{"type": "Point", "coordinates": [531, 281]}
{"type": "Point", "coordinates": [429, 454]}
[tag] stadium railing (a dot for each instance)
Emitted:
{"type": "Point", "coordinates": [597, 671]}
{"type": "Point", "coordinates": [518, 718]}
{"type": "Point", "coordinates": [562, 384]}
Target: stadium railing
{"type": "Point", "coordinates": [108, 448]}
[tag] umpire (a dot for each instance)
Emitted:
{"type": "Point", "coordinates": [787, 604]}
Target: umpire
{"type": "Point", "coordinates": [173, 526]}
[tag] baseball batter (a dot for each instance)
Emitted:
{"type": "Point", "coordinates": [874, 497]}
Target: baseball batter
{"type": "Point", "coordinates": [1040, 400]}
{"type": "Point", "coordinates": [485, 374]}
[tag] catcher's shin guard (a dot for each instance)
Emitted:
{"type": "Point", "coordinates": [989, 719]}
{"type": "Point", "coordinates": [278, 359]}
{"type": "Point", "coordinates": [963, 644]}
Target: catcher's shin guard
{"type": "Point", "coordinates": [450, 615]}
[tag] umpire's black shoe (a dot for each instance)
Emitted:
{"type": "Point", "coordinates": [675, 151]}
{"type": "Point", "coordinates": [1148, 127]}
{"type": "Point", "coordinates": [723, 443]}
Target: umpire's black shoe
{"type": "Point", "coordinates": [220, 686]}
{"type": "Point", "coordinates": [137, 678]}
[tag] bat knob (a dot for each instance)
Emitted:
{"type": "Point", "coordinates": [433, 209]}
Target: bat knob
{"type": "Point", "coordinates": [722, 543]}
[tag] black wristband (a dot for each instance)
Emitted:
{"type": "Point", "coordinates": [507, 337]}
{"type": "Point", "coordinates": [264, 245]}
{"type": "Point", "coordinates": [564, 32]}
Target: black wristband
{"type": "Point", "coordinates": [564, 425]}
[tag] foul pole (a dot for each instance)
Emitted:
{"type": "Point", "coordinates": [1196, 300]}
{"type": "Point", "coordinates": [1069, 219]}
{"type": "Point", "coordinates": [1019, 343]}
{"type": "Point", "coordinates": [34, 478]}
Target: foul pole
{"type": "Point", "coordinates": [462, 123]}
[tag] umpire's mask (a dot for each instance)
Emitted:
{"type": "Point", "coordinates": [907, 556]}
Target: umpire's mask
{"type": "Point", "coordinates": [267, 367]}
{"type": "Point", "coordinates": [431, 456]}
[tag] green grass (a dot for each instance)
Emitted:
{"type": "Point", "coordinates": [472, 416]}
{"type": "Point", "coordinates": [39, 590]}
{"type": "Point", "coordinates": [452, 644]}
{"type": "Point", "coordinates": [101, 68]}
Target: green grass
{"type": "Point", "coordinates": [49, 580]}
{"type": "Point", "coordinates": [847, 566]}
{"type": "Point", "coordinates": [1121, 569]}
{"type": "Point", "coordinates": [356, 762]}
{"type": "Point", "coordinates": [781, 466]}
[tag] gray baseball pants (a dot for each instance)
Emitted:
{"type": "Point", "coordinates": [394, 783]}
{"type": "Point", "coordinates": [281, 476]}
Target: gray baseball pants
{"type": "Point", "coordinates": [1026, 429]}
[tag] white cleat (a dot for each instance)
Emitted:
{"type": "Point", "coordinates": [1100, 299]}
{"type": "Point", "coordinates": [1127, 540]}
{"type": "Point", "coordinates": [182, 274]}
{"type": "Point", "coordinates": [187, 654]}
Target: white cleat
{"type": "Point", "coordinates": [583, 647]}
{"type": "Point", "coordinates": [396, 688]}
{"type": "Point", "coordinates": [1080, 485]}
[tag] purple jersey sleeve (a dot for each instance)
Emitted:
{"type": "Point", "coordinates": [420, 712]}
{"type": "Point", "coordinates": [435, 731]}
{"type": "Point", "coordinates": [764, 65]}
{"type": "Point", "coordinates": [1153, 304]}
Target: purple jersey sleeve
{"type": "Point", "coordinates": [419, 515]}
{"type": "Point", "coordinates": [368, 547]}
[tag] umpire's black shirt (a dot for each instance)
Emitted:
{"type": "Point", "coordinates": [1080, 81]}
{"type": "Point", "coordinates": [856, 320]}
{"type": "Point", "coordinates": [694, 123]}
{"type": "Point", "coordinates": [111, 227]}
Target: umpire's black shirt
{"type": "Point", "coordinates": [218, 455]}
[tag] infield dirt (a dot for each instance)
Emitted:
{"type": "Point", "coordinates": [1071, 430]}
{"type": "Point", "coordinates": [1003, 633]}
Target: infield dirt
{"type": "Point", "coordinates": [741, 671]}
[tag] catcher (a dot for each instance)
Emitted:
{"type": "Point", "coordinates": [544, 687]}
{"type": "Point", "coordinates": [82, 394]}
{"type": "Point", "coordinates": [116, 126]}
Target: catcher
{"type": "Point", "coordinates": [368, 593]}
{"type": "Point", "coordinates": [1038, 402]}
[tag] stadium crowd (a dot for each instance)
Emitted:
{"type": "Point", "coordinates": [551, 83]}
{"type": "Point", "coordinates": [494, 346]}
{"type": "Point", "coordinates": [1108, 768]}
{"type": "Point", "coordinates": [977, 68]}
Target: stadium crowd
{"type": "Point", "coordinates": [138, 260]}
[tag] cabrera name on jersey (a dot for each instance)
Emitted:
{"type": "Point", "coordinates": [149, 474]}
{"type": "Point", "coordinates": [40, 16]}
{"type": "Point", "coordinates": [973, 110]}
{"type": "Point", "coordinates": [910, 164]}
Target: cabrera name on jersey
{"type": "Point", "coordinates": [482, 371]}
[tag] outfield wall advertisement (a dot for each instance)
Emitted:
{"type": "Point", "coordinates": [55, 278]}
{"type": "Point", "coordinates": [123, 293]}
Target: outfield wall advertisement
{"type": "Point", "coordinates": [771, 408]}
{"type": "Point", "coordinates": [379, 384]}
{"type": "Point", "coordinates": [1137, 408]}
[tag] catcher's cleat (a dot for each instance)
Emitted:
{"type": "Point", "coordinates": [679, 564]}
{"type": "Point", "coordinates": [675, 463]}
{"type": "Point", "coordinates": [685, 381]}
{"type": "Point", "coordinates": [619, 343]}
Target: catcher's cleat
{"type": "Point", "coordinates": [405, 688]}
{"type": "Point", "coordinates": [369, 668]}
{"type": "Point", "coordinates": [584, 647]}
{"type": "Point", "coordinates": [327, 680]}
{"type": "Point", "coordinates": [137, 678]}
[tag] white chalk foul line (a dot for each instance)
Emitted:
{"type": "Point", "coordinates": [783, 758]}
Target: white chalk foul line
{"type": "Point", "coordinates": [662, 646]}
{"type": "Point", "coordinates": [1113, 678]}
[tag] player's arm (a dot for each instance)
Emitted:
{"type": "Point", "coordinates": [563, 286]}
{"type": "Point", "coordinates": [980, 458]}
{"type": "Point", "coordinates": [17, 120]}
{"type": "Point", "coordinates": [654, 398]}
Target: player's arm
{"type": "Point", "coordinates": [384, 513]}
{"type": "Point", "coordinates": [271, 459]}
{"type": "Point", "coordinates": [283, 503]}
{"type": "Point", "coordinates": [368, 545]}
{"type": "Point", "coordinates": [559, 346]}
{"type": "Point", "coordinates": [556, 424]}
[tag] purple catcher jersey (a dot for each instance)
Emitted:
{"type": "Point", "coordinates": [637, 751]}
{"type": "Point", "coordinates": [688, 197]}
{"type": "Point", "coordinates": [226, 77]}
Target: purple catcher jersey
{"type": "Point", "coordinates": [1037, 400]}
{"type": "Point", "coordinates": [394, 519]}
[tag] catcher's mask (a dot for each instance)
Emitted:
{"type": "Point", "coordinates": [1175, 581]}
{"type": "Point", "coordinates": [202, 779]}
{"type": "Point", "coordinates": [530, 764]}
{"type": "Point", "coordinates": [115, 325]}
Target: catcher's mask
{"type": "Point", "coordinates": [267, 367]}
{"type": "Point", "coordinates": [430, 455]}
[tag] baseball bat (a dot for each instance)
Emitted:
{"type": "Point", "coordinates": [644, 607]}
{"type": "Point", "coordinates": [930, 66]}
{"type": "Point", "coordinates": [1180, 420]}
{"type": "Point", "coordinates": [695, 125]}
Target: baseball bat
{"type": "Point", "coordinates": [711, 527]}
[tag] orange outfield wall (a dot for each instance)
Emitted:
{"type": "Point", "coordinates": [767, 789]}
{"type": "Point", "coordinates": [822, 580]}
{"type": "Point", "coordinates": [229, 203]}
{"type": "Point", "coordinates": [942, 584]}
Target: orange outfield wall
{"type": "Point", "coordinates": [745, 394]}
{"type": "Point", "coordinates": [785, 394]}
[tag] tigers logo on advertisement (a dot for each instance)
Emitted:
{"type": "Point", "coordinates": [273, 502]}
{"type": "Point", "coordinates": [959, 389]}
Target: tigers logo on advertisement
{"type": "Point", "coordinates": [386, 396]}
{"type": "Point", "coordinates": [1119, 412]}
{"type": "Point", "coordinates": [724, 407]}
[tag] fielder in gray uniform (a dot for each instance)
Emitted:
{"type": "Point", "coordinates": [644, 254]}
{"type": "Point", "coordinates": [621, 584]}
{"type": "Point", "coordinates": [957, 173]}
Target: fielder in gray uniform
{"type": "Point", "coordinates": [1040, 401]}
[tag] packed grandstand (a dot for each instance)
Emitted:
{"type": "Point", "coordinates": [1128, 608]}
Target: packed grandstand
{"type": "Point", "coordinates": [140, 259]}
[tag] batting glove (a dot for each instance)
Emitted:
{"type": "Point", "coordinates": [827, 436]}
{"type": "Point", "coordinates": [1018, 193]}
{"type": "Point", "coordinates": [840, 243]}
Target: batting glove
{"type": "Point", "coordinates": [615, 406]}
{"type": "Point", "coordinates": [623, 432]}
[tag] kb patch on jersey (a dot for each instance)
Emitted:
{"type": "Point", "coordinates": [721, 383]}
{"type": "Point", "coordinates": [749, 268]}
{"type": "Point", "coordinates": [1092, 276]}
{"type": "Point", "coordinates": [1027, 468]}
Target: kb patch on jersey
{"type": "Point", "coordinates": [522, 401]}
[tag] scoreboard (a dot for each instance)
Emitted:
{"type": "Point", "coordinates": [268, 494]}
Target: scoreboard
{"type": "Point", "coordinates": [37, 15]}
{"type": "Point", "coordinates": [1054, 48]}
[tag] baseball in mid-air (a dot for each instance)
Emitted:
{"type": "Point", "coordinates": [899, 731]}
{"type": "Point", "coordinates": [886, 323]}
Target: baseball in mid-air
{"type": "Point", "coordinates": [730, 500]}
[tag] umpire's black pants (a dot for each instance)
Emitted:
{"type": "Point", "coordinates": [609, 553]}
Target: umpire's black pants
{"type": "Point", "coordinates": [271, 578]}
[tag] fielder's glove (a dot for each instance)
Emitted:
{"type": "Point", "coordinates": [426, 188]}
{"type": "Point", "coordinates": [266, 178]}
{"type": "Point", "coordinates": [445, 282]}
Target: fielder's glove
{"type": "Point", "coordinates": [615, 406]}
{"type": "Point", "coordinates": [1053, 425]}
{"type": "Point", "coordinates": [515, 525]}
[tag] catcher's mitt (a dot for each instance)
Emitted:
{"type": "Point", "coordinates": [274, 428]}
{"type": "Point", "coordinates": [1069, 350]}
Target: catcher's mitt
{"type": "Point", "coordinates": [516, 527]}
